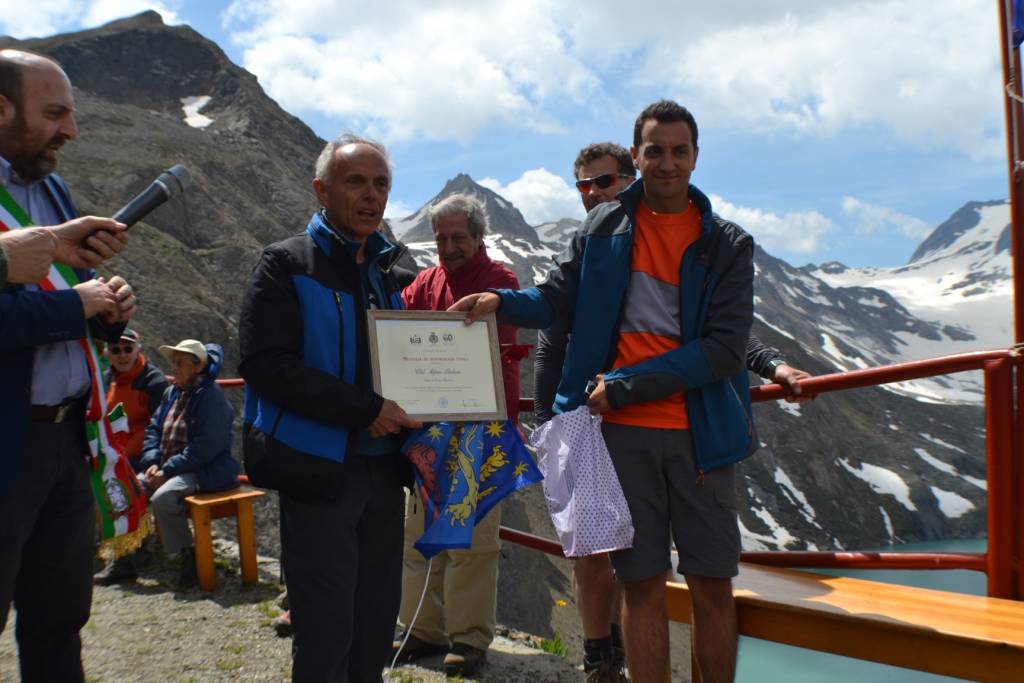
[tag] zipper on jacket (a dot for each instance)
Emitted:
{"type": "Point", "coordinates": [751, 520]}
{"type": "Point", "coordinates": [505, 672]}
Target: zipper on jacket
{"type": "Point", "coordinates": [341, 333]}
{"type": "Point", "coordinates": [400, 252]}
{"type": "Point", "coordinates": [746, 418]}
{"type": "Point", "coordinates": [613, 343]}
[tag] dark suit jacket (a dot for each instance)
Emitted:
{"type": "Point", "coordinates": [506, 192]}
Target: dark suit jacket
{"type": "Point", "coordinates": [28, 320]}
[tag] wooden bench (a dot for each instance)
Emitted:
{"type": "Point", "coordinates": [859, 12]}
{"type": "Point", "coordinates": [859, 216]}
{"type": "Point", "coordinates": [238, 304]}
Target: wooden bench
{"type": "Point", "coordinates": [971, 637]}
{"type": "Point", "coordinates": [206, 507]}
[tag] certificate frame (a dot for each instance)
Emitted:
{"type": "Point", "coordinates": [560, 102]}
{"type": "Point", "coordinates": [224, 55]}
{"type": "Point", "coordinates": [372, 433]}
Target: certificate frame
{"type": "Point", "coordinates": [400, 384]}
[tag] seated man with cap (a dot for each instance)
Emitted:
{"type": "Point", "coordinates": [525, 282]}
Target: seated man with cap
{"type": "Point", "coordinates": [187, 447]}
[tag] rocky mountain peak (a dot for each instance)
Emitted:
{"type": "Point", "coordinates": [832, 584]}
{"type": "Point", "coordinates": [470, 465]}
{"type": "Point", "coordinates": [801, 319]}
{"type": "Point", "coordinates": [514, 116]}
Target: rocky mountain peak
{"type": "Point", "coordinates": [171, 70]}
{"type": "Point", "coordinates": [502, 217]}
{"type": "Point", "coordinates": [965, 218]}
{"type": "Point", "coordinates": [460, 183]}
{"type": "Point", "coordinates": [833, 267]}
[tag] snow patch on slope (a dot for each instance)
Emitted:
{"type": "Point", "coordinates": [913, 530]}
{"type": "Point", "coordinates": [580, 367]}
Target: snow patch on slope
{"type": "Point", "coordinates": [883, 481]}
{"type": "Point", "coordinates": [951, 504]}
{"type": "Point", "coordinates": [192, 106]}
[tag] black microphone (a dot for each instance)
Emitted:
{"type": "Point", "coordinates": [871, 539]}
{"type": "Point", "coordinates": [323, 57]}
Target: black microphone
{"type": "Point", "coordinates": [170, 183]}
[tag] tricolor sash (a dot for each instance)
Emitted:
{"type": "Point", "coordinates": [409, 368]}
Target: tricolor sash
{"type": "Point", "coordinates": [120, 501]}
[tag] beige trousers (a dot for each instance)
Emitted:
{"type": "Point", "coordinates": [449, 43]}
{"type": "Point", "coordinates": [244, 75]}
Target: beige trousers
{"type": "Point", "coordinates": [462, 588]}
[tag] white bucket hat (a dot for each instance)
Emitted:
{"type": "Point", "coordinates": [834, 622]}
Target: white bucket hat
{"type": "Point", "coordinates": [192, 346]}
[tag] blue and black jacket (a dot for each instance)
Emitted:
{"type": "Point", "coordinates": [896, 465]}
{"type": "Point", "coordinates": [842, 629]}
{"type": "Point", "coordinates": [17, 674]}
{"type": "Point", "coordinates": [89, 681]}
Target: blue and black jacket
{"type": "Point", "coordinates": [208, 418]}
{"type": "Point", "coordinates": [304, 356]}
{"type": "Point", "coordinates": [32, 319]}
{"type": "Point", "coordinates": [588, 288]}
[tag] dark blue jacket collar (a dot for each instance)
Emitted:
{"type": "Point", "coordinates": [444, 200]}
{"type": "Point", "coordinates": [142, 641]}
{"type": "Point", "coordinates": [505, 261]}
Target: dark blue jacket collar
{"type": "Point", "coordinates": [329, 240]}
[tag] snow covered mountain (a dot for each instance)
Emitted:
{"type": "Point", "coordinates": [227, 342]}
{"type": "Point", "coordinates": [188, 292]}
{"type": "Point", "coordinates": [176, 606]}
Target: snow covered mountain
{"type": "Point", "coordinates": [959, 279]}
{"type": "Point", "coordinates": [851, 469]}
{"type": "Point", "coordinates": [504, 218]}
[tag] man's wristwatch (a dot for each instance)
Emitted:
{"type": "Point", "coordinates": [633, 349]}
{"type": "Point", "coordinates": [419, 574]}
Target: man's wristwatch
{"type": "Point", "coordinates": [774, 364]}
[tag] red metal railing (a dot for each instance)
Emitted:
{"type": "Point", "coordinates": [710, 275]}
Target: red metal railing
{"type": "Point", "coordinates": [1001, 562]}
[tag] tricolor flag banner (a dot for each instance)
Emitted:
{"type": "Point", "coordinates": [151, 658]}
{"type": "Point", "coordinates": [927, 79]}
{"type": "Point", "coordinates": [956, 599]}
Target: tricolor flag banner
{"type": "Point", "coordinates": [463, 469]}
{"type": "Point", "coordinates": [120, 501]}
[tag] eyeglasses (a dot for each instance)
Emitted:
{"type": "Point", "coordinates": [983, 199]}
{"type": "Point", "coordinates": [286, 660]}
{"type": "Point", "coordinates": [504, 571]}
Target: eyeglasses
{"type": "Point", "coordinates": [603, 181]}
{"type": "Point", "coordinates": [117, 350]}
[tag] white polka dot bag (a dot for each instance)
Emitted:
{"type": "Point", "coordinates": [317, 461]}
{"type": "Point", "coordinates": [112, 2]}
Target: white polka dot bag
{"type": "Point", "coordinates": [584, 497]}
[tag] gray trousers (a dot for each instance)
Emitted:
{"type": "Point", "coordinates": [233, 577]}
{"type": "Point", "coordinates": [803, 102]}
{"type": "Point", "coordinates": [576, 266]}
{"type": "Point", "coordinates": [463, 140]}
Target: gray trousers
{"type": "Point", "coordinates": [171, 513]}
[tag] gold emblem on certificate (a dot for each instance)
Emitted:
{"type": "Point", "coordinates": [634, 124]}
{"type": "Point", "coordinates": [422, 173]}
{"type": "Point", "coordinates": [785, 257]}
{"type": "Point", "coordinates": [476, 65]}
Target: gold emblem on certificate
{"type": "Point", "coordinates": [435, 366]}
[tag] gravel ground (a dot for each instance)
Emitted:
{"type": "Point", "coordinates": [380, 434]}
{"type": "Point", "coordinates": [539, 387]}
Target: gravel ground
{"type": "Point", "coordinates": [149, 631]}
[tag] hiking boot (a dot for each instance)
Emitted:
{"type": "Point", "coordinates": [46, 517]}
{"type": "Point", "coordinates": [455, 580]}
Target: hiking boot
{"type": "Point", "coordinates": [283, 624]}
{"type": "Point", "coordinates": [463, 660]}
{"type": "Point", "coordinates": [415, 649]}
{"type": "Point", "coordinates": [121, 570]}
{"type": "Point", "coordinates": [187, 576]}
{"type": "Point", "coordinates": [605, 672]}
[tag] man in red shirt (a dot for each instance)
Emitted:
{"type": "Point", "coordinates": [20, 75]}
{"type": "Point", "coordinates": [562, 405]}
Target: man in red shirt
{"type": "Point", "coordinates": [461, 586]}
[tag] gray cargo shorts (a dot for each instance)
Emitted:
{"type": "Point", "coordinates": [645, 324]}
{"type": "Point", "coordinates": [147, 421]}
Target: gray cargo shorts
{"type": "Point", "coordinates": [668, 502]}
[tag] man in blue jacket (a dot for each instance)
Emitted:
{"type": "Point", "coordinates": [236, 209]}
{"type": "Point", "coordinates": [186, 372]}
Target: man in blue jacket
{"type": "Point", "coordinates": [659, 292]}
{"type": "Point", "coordinates": [46, 501]}
{"type": "Point", "coordinates": [602, 171]}
{"type": "Point", "coordinates": [314, 428]}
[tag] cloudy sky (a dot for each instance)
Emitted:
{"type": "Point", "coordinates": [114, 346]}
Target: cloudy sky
{"type": "Point", "coordinates": [839, 130]}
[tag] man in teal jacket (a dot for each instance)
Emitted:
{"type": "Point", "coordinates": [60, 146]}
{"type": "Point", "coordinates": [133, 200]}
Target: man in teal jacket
{"type": "Point", "coordinates": [659, 292]}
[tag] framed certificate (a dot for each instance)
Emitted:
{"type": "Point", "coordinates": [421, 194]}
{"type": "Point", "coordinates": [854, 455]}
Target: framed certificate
{"type": "Point", "coordinates": [435, 366]}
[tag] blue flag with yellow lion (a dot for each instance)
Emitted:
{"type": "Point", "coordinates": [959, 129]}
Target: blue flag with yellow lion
{"type": "Point", "coordinates": [462, 470]}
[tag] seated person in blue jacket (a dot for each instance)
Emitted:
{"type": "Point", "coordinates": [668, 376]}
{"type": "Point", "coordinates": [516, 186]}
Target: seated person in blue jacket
{"type": "Point", "coordinates": [188, 446]}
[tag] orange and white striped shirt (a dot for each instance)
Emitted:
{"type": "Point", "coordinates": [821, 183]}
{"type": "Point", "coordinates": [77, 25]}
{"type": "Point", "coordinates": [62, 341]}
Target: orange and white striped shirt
{"type": "Point", "coordinates": [650, 320]}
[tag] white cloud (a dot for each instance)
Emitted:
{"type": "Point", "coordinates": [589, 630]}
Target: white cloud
{"type": "Point", "coordinates": [102, 11]}
{"type": "Point", "coordinates": [540, 196]}
{"type": "Point", "coordinates": [870, 219]}
{"type": "Point", "coordinates": [35, 19]}
{"type": "Point", "coordinates": [396, 208]}
{"type": "Point", "coordinates": [801, 232]}
{"type": "Point", "coordinates": [46, 17]}
{"type": "Point", "coordinates": [445, 70]}
{"type": "Point", "coordinates": [926, 71]}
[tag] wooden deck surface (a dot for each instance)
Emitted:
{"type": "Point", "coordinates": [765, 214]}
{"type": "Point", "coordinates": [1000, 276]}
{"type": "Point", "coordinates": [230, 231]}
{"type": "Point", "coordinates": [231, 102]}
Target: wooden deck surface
{"type": "Point", "coordinates": [972, 637]}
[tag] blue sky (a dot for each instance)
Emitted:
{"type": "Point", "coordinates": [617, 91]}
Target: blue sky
{"type": "Point", "coordinates": [842, 130]}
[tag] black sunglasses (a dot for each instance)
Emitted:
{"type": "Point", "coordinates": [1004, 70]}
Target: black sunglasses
{"type": "Point", "coordinates": [117, 349]}
{"type": "Point", "coordinates": [603, 181]}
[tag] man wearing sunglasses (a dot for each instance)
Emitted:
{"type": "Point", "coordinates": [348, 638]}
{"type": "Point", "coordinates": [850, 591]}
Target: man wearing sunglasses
{"type": "Point", "coordinates": [603, 170]}
{"type": "Point", "coordinates": [139, 386]}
